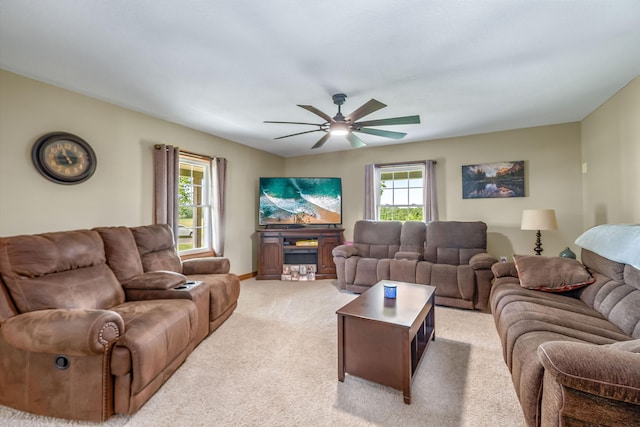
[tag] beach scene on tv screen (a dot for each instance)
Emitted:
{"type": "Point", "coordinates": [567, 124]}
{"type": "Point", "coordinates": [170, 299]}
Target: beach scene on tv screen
{"type": "Point", "coordinates": [300, 201]}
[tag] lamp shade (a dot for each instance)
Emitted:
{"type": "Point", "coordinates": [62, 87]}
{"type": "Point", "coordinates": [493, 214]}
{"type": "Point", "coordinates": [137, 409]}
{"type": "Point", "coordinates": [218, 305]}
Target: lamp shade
{"type": "Point", "coordinates": [539, 219]}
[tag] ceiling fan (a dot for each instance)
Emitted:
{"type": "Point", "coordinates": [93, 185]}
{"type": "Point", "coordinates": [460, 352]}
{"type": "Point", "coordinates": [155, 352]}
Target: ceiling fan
{"type": "Point", "coordinates": [349, 124]}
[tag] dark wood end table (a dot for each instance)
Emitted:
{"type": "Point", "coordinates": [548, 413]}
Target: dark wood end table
{"type": "Point", "coordinates": [383, 340]}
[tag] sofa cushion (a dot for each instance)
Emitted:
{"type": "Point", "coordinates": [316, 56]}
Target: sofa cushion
{"type": "Point", "coordinates": [443, 236]}
{"type": "Point", "coordinates": [377, 239]}
{"type": "Point", "coordinates": [595, 262]}
{"type": "Point", "coordinates": [121, 251]}
{"type": "Point", "coordinates": [403, 270]}
{"type": "Point", "coordinates": [363, 271]}
{"type": "Point", "coordinates": [157, 248]}
{"type": "Point", "coordinates": [456, 256]}
{"type": "Point", "coordinates": [58, 270]}
{"type": "Point", "coordinates": [156, 334]}
{"type": "Point", "coordinates": [632, 276]}
{"type": "Point", "coordinates": [224, 291]}
{"type": "Point", "coordinates": [377, 232]}
{"type": "Point", "coordinates": [551, 274]}
{"type": "Point", "coordinates": [412, 236]}
{"type": "Point", "coordinates": [618, 302]}
{"type": "Point", "coordinates": [632, 346]}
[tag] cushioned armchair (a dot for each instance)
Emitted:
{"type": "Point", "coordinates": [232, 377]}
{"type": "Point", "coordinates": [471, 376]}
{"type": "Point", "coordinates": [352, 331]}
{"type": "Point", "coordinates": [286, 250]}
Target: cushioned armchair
{"type": "Point", "coordinates": [450, 255]}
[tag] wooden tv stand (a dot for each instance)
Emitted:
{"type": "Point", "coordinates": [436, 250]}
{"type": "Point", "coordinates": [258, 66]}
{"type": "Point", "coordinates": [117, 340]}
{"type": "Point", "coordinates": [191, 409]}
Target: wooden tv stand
{"type": "Point", "coordinates": [278, 246]}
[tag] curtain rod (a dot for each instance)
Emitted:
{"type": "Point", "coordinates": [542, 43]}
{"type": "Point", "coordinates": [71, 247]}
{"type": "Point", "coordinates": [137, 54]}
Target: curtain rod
{"type": "Point", "coordinates": [404, 163]}
{"type": "Point", "coordinates": [187, 153]}
{"type": "Point", "coordinates": [197, 155]}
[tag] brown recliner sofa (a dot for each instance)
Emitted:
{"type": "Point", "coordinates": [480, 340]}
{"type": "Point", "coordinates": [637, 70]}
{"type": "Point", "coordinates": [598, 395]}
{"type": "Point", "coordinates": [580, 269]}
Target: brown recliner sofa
{"type": "Point", "coordinates": [450, 255]}
{"type": "Point", "coordinates": [574, 356]}
{"type": "Point", "coordinates": [93, 322]}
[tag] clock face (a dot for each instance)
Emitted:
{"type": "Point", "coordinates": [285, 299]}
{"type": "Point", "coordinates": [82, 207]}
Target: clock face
{"type": "Point", "coordinates": [64, 158]}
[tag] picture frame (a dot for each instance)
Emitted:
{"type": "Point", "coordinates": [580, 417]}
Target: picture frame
{"type": "Point", "coordinates": [493, 180]}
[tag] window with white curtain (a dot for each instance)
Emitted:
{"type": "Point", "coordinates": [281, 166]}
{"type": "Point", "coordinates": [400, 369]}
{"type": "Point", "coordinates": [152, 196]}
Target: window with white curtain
{"type": "Point", "coordinates": [194, 206]}
{"type": "Point", "coordinates": [400, 192]}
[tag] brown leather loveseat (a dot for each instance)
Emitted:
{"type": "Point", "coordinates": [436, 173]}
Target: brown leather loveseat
{"type": "Point", "coordinates": [450, 255]}
{"type": "Point", "coordinates": [93, 322]}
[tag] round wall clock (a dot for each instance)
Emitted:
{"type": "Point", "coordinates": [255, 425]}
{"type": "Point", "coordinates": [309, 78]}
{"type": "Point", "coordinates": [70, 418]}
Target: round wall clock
{"type": "Point", "coordinates": [63, 158]}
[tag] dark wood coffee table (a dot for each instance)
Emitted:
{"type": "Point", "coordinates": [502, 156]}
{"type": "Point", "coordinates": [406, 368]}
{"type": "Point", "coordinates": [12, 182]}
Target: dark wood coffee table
{"type": "Point", "coordinates": [383, 340]}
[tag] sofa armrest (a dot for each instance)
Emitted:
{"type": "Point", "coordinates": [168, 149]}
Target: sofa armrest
{"type": "Point", "coordinates": [504, 269]}
{"type": "Point", "coordinates": [76, 332]}
{"type": "Point", "coordinates": [206, 265]}
{"type": "Point", "coordinates": [607, 371]}
{"type": "Point", "coordinates": [412, 256]}
{"type": "Point", "coordinates": [344, 251]}
{"type": "Point", "coordinates": [482, 261]}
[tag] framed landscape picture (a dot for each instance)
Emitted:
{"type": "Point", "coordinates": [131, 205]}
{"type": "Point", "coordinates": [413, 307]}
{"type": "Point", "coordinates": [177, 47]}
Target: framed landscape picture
{"type": "Point", "coordinates": [493, 180]}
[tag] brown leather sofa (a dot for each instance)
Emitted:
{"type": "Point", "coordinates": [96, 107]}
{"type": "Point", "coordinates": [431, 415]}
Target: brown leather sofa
{"type": "Point", "coordinates": [450, 255]}
{"type": "Point", "coordinates": [93, 322]}
{"type": "Point", "coordinates": [574, 356]}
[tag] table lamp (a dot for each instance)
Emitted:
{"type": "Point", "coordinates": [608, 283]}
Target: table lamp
{"type": "Point", "coordinates": [539, 219]}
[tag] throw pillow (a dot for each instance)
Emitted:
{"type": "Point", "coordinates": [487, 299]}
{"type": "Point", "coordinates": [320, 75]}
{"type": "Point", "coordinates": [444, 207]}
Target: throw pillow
{"type": "Point", "coordinates": [551, 274]}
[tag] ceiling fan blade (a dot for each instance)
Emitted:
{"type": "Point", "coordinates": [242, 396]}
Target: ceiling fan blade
{"type": "Point", "coordinates": [365, 109]}
{"type": "Point", "coordinates": [317, 112]}
{"type": "Point", "coordinates": [321, 141]}
{"type": "Point", "coordinates": [299, 133]}
{"type": "Point", "coordinates": [380, 132]}
{"type": "Point", "coordinates": [293, 123]}
{"type": "Point", "coordinates": [406, 120]}
{"type": "Point", "coordinates": [355, 141]}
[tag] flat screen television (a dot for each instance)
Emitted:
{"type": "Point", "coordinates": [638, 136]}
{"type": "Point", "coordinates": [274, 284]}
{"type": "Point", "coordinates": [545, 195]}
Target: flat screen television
{"type": "Point", "coordinates": [300, 201]}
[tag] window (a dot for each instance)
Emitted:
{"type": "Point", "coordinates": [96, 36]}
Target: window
{"type": "Point", "coordinates": [400, 192]}
{"type": "Point", "coordinates": [194, 208]}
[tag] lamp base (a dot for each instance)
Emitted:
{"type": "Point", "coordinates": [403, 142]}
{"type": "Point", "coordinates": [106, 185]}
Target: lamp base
{"type": "Point", "coordinates": [538, 247]}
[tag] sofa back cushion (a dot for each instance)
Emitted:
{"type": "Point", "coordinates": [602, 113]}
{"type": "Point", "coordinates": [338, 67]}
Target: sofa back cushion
{"type": "Point", "coordinates": [454, 242]}
{"type": "Point", "coordinates": [377, 239]}
{"type": "Point", "coordinates": [7, 307]}
{"type": "Point", "coordinates": [156, 248]}
{"type": "Point", "coordinates": [58, 270]}
{"type": "Point", "coordinates": [413, 236]}
{"type": "Point", "coordinates": [615, 293]}
{"type": "Point", "coordinates": [122, 252]}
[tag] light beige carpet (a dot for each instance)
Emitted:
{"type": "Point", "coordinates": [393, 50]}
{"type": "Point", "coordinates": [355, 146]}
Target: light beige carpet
{"type": "Point", "coordinates": [274, 363]}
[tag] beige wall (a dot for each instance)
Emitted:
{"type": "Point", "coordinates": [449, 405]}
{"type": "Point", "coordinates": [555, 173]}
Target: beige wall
{"type": "Point", "coordinates": [121, 190]}
{"type": "Point", "coordinates": [553, 180]}
{"type": "Point", "coordinates": [611, 154]}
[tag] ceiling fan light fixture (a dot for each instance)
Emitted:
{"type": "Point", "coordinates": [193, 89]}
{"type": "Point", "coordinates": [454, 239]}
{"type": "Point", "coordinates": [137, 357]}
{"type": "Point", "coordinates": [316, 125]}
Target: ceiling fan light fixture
{"type": "Point", "coordinates": [349, 125]}
{"type": "Point", "coordinates": [339, 129]}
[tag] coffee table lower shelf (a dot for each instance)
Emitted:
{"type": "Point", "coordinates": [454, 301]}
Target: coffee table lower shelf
{"type": "Point", "coordinates": [383, 340]}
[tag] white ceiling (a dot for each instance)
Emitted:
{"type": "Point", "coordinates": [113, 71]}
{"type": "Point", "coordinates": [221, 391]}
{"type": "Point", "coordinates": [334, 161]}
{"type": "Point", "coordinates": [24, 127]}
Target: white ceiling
{"type": "Point", "coordinates": [225, 66]}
